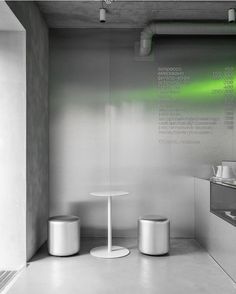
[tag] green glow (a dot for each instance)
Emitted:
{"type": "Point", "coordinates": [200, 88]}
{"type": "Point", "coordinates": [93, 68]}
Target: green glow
{"type": "Point", "coordinates": [205, 89]}
{"type": "Point", "coordinates": [197, 91]}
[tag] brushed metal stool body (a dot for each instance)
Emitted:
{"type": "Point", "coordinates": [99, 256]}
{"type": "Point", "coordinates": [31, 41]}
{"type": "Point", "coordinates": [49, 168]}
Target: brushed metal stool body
{"type": "Point", "coordinates": [153, 235]}
{"type": "Point", "coordinates": [63, 235]}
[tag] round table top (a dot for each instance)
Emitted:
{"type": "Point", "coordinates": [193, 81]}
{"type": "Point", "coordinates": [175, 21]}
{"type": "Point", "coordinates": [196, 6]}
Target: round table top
{"type": "Point", "coordinates": [109, 193]}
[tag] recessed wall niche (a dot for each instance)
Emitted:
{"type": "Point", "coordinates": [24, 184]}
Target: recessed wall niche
{"type": "Point", "coordinates": [146, 126]}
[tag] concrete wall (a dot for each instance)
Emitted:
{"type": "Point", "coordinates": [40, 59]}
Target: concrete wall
{"type": "Point", "coordinates": [12, 150]}
{"type": "Point", "coordinates": [119, 121]}
{"type": "Point", "coordinates": [37, 122]}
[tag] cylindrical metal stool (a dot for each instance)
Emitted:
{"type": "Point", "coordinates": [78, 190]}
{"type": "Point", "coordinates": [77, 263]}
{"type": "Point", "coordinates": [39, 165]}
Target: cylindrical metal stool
{"type": "Point", "coordinates": [63, 235]}
{"type": "Point", "coordinates": [153, 235]}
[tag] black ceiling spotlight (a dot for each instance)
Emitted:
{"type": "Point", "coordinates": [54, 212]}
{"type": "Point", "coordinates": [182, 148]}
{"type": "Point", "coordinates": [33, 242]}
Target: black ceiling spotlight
{"type": "Point", "coordinates": [231, 15]}
{"type": "Point", "coordinates": [102, 15]}
{"type": "Point", "coordinates": [102, 12]}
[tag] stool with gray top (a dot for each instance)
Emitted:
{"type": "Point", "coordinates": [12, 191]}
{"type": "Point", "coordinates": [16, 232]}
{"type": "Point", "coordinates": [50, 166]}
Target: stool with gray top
{"type": "Point", "coordinates": [63, 235]}
{"type": "Point", "coordinates": [154, 235]}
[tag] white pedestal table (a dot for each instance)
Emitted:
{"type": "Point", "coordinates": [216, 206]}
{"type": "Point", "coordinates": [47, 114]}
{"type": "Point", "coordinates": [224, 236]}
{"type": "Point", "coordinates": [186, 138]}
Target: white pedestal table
{"type": "Point", "coordinates": [109, 251]}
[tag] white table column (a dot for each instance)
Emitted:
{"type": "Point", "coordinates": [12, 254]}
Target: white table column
{"type": "Point", "coordinates": [109, 224]}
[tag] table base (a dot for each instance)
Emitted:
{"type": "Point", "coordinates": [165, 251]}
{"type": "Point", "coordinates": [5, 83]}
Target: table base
{"type": "Point", "coordinates": [116, 252]}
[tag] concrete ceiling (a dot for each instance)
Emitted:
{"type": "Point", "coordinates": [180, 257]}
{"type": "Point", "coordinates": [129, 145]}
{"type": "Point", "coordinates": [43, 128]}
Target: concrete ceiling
{"type": "Point", "coordinates": [130, 14]}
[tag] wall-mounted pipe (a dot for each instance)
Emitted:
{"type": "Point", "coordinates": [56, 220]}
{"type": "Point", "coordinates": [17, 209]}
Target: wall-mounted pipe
{"type": "Point", "coordinates": [181, 28]}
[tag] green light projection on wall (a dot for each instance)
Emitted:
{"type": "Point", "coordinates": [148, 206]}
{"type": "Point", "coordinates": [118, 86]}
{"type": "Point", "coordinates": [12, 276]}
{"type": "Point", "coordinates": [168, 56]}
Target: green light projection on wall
{"type": "Point", "coordinates": [197, 91]}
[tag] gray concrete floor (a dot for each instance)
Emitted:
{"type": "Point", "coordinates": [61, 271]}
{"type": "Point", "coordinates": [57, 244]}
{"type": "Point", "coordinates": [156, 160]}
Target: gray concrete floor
{"type": "Point", "coordinates": [187, 269]}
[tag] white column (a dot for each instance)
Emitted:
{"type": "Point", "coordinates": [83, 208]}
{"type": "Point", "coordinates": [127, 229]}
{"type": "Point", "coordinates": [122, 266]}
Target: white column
{"type": "Point", "coordinates": [109, 225]}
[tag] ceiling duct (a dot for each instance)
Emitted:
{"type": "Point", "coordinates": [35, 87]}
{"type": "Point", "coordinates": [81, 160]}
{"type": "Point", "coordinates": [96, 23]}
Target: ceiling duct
{"type": "Point", "coordinates": [181, 28]}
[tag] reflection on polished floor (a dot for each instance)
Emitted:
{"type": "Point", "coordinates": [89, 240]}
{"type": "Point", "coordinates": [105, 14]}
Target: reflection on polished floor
{"type": "Point", "coordinates": [187, 269]}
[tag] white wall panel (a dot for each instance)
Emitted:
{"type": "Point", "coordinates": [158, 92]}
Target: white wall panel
{"type": "Point", "coordinates": [12, 150]}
